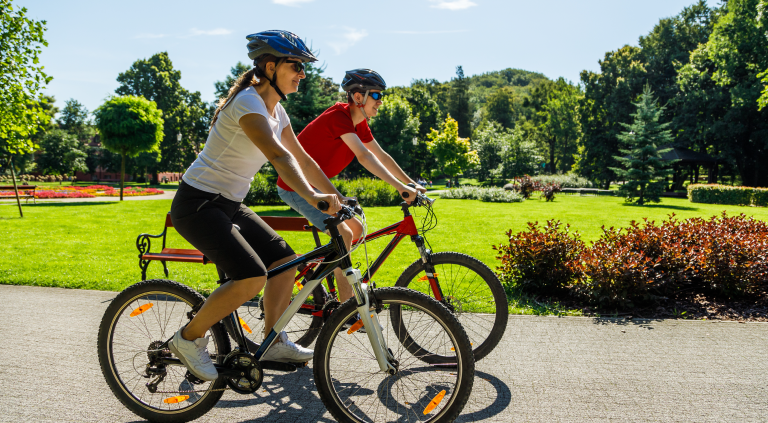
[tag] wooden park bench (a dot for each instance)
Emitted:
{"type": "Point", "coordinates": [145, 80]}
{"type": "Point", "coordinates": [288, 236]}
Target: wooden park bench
{"type": "Point", "coordinates": [144, 243]}
{"type": "Point", "coordinates": [26, 194]}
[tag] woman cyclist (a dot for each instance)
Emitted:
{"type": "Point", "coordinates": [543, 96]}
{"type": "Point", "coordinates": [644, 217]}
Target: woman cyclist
{"type": "Point", "coordinates": [337, 136]}
{"type": "Point", "coordinates": [249, 128]}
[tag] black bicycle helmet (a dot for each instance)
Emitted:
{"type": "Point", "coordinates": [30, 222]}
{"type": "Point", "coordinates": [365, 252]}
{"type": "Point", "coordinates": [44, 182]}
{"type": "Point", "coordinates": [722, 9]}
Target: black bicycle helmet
{"type": "Point", "coordinates": [281, 44]}
{"type": "Point", "coordinates": [363, 80]}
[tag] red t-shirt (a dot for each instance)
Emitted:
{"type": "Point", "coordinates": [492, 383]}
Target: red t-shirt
{"type": "Point", "coordinates": [321, 139]}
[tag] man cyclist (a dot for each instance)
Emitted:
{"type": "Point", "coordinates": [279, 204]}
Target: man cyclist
{"type": "Point", "coordinates": [336, 137]}
{"type": "Point", "coordinates": [249, 128]}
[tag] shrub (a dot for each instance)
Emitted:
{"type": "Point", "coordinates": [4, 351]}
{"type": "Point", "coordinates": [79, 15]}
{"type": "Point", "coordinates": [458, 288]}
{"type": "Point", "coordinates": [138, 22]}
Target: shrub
{"type": "Point", "coordinates": [262, 192]}
{"type": "Point", "coordinates": [568, 180]}
{"type": "Point", "coordinates": [724, 194]}
{"type": "Point", "coordinates": [369, 192]}
{"type": "Point", "coordinates": [548, 192]}
{"type": "Point", "coordinates": [541, 260]}
{"type": "Point", "coordinates": [490, 195]}
{"type": "Point", "coordinates": [644, 262]}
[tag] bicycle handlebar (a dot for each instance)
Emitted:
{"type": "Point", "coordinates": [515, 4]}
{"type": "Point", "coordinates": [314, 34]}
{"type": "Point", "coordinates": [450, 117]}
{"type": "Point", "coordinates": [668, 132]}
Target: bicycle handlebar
{"type": "Point", "coordinates": [323, 205]}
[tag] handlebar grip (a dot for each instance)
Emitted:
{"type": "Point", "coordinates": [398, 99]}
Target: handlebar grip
{"type": "Point", "coordinates": [352, 202]}
{"type": "Point", "coordinates": [405, 195]}
{"type": "Point", "coordinates": [323, 205]}
{"type": "Point", "coordinates": [412, 185]}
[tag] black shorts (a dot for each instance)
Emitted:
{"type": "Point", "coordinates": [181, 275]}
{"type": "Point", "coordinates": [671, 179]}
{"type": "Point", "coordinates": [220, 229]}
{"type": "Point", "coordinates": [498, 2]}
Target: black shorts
{"type": "Point", "coordinates": [207, 222]}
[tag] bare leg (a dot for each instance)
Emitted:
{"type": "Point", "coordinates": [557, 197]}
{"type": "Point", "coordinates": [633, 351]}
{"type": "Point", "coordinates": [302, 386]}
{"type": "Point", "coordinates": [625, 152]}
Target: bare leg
{"type": "Point", "coordinates": [349, 230]}
{"type": "Point", "coordinates": [223, 301]}
{"type": "Point", "coordinates": [277, 295]}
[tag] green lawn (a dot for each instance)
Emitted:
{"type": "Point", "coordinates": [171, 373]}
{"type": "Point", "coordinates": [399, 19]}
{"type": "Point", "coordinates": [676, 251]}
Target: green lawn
{"type": "Point", "coordinates": [92, 245]}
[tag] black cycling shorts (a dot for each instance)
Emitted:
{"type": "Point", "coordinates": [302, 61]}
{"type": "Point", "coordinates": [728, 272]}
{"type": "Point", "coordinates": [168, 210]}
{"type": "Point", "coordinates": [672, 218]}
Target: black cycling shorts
{"type": "Point", "coordinates": [207, 222]}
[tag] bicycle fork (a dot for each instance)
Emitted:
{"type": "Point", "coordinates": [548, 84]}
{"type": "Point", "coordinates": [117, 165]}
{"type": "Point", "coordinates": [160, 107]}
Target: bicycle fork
{"type": "Point", "coordinates": [368, 315]}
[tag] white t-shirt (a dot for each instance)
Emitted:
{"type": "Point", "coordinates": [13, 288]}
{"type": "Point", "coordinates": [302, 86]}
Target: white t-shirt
{"type": "Point", "coordinates": [229, 160]}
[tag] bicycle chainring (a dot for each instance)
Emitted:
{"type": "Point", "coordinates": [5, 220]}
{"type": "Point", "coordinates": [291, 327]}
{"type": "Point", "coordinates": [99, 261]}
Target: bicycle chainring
{"type": "Point", "coordinates": [250, 374]}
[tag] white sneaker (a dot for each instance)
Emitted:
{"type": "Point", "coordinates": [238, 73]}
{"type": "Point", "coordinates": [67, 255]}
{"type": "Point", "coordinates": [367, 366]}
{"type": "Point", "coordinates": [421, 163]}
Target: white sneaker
{"type": "Point", "coordinates": [285, 351]}
{"type": "Point", "coordinates": [194, 355]}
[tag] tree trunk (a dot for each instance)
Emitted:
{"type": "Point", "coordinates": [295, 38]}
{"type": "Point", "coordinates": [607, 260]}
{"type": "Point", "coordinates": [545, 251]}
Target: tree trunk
{"type": "Point", "coordinates": [15, 188]}
{"type": "Point", "coordinates": [552, 165]}
{"type": "Point", "coordinates": [122, 176]}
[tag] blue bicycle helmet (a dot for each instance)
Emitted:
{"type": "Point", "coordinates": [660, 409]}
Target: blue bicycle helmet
{"type": "Point", "coordinates": [363, 80]}
{"type": "Point", "coordinates": [281, 44]}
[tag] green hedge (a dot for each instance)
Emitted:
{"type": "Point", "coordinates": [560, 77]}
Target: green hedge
{"type": "Point", "coordinates": [262, 192]}
{"type": "Point", "coordinates": [724, 194]}
{"type": "Point", "coordinates": [489, 195]}
{"type": "Point", "coordinates": [369, 192]}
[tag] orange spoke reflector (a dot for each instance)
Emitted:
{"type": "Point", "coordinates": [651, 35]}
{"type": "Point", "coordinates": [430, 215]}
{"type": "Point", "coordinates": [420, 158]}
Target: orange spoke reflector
{"type": "Point", "coordinates": [298, 283]}
{"type": "Point", "coordinates": [426, 278]}
{"type": "Point", "coordinates": [244, 325]}
{"type": "Point", "coordinates": [180, 398]}
{"type": "Point", "coordinates": [455, 350]}
{"type": "Point", "coordinates": [434, 403]}
{"type": "Point", "coordinates": [358, 324]}
{"type": "Point", "coordinates": [141, 309]}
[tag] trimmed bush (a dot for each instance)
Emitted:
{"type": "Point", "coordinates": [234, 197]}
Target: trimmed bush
{"type": "Point", "coordinates": [541, 260]}
{"type": "Point", "coordinates": [568, 180]}
{"type": "Point", "coordinates": [489, 195]}
{"type": "Point", "coordinates": [369, 192]}
{"type": "Point", "coordinates": [642, 263]}
{"type": "Point", "coordinates": [724, 194]}
{"type": "Point", "coordinates": [262, 192]}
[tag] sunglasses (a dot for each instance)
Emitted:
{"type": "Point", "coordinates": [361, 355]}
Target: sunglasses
{"type": "Point", "coordinates": [298, 65]}
{"type": "Point", "coordinates": [376, 96]}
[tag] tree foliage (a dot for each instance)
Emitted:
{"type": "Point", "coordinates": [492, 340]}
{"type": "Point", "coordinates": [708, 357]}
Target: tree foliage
{"type": "Point", "coordinates": [61, 153]}
{"type": "Point", "coordinates": [74, 119]}
{"type": "Point", "coordinates": [395, 128]}
{"type": "Point", "coordinates": [21, 78]}
{"type": "Point", "coordinates": [316, 94]}
{"type": "Point", "coordinates": [222, 87]}
{"type": "Point", "coordinates": [129, 125]}
{"type": "Point", "coordinates": [453, 153]}
{"type": "Point", "coordinates": [458, 102]}
{"type": "Point", "coordinates": [643, 168]}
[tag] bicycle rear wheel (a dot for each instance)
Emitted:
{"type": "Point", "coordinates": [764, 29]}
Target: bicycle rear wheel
{"type": "Point", "coordinates": [134, 327]}
{"type": "Point", "coordinates": [470, 290]}
{"type": "Point", "coordinates": [302, 329]}
{"type": "Point", "coordinates": [354, 389]}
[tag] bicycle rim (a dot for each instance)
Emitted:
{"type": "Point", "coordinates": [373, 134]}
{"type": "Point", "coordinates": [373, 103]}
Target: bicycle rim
{"type": "Point", "coordinates": [143, 323]}
{"type": "Point", "coordinates": [361, 392]}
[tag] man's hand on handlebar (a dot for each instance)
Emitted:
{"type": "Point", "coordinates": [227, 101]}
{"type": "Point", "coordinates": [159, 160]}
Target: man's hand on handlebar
{"type": "Point", "coordinates": [408, 193]}
{"type": "Point", "coordinates": [420, 188]}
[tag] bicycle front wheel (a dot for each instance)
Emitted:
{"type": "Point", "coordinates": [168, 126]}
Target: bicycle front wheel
{"type": "Point", "coordinates": [354, 389]}
{"type": "Point", "coordinates": [470, 290]}
{"type": "Point", "coordinates": [132, 333]}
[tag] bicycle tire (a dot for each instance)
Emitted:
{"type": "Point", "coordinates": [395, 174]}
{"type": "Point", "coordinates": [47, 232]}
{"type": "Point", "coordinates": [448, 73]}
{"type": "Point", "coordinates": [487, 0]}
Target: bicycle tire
{"type": "Point", "coordinates": [306, 326]}
{"type": "Point", "coordinates": [342, 358]}
{"type": "Point", "coordinates": [157, 300]}
{"type": "Point", "coordinates": [483, 293]}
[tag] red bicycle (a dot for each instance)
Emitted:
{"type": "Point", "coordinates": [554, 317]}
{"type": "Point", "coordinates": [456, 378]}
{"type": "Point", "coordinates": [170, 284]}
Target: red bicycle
{"type": "Point", "coordinates": [464, 284]}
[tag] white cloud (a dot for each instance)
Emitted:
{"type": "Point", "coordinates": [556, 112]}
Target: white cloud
{"type": "Point", "coordinates": [151, 36]}
{"type": "Point", "coordinates": [350, 38]}
{"type": "Point", "coordinates": [217, 31]}
{"type": "Point", "coordinates": [453, 31]}
{"type": "Point", "coordinates": [452, 4]}
{"type": "Point", "coordinates": [292, 3]}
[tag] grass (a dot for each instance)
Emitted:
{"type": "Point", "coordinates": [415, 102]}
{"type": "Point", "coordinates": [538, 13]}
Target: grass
{"type": "Point", "coordinates": [92, 245]}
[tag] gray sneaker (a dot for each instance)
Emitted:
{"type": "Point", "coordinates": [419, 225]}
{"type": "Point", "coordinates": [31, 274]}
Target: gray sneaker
{"type": "Point", "coordinates": [285, 351]}
{"type": "Point", "coordinates": [194, 355]}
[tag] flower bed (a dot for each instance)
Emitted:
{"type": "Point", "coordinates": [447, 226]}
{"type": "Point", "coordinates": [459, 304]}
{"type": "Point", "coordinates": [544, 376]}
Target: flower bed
{"type": "Point", "coordinates": [129, 192]}
{"type": "Point", "coordinates": [90, 191]}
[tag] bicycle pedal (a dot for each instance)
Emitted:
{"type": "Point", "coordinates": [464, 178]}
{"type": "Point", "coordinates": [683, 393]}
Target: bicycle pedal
{"type": "Point", "coordinates": [280, 366]}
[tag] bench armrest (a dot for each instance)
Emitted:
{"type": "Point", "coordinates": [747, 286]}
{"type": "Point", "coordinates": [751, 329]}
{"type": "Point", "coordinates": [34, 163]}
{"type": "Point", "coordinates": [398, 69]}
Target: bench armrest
{"type": "Point", "coordinates": [143, 243]}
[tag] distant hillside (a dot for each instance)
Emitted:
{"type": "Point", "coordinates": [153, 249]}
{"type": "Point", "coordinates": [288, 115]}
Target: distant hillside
{"type": "Point", "coordinates": [518, 81]}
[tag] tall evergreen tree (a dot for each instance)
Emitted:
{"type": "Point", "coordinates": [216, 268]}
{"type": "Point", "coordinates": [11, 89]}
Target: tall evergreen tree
{"type": "Point", "coordinates": [643, 169]}
{"type": "Point", "coordinates": [222, 87]}
{"type": "Point", "coordinates": [458, 103]}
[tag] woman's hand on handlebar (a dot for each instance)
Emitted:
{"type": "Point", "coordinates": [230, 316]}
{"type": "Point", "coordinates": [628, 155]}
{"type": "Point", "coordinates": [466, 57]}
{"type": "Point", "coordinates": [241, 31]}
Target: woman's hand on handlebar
{"type": "Point", "coordinates": [348, 200]}
{"type": "Point", "coordinates": [421, 189]}
{"type": "Point", "coordinates": [332, 201]}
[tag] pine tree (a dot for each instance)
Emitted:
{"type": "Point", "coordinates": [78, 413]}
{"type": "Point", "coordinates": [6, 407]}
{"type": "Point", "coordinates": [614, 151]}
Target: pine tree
{"type": "Point", "coordinates": [643, 170]}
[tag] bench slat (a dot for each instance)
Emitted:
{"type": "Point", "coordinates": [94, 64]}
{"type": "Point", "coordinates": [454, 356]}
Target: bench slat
{"type": "Point", "coordinates": [183, 258]}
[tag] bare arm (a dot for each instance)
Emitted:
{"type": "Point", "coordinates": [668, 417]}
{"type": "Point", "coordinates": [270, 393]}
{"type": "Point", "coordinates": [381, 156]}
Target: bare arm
{"type": "Point", "coordinates": [259, 132]}
{"type": "Point", "coordinates": [391, 164]}
{"type": "Point", "coordinates": [372, 163]}
{"type": "Point", "coordinates": [311, 170]}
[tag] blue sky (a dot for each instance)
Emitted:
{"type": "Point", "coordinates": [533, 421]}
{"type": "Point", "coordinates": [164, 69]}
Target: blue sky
{"type": "Point", "coordinates": [91, 42]}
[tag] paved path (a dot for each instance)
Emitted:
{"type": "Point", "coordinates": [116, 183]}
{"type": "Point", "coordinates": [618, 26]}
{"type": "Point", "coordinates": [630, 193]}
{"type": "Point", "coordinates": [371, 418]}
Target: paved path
{"type": "Point", "coordinates": [166, 195]}
{"type": "Point", "coordinates": [546, 369]}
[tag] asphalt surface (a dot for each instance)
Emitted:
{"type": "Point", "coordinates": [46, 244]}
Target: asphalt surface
{"type": "Point", "coordinates": [546, 369]}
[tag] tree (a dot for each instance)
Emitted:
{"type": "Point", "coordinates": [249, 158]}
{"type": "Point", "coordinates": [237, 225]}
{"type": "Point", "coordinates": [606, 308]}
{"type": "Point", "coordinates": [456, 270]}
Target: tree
{"type": "Point", "coordinates": [453, 153]}
{"type": "Point", "coordinates": [74, 119]}
{"type": "Point", "coordinates": [458, 102]}
{"type": "Point", "coordinates": [561, 124]}
{"type": "Point", "coordinates": [643, 168]}
{"type": "Point", "coordinates": [396, 127]}
{"type": "Point", "coordinates": [222, 87]}
{"type": "Point", "coordinates": [499, 108]}
{"type": "Point", "coordinates": [129, 125]}
{"type": "Point", "coordinates": [61, 154]}
{"type": "Point", "coordinates": [489, 142]}
{"type": "Point", "coordinates": [762, 22]}
{"type": "Point", "coordinates": [21, 78]}
{"type": "Point", "coordinates": [183, 112]}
